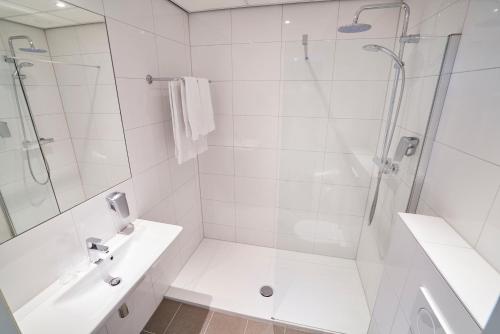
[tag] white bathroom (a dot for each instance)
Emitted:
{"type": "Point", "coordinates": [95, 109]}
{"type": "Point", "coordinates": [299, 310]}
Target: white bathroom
{"type": "Point", "coordinates": [249, 166]}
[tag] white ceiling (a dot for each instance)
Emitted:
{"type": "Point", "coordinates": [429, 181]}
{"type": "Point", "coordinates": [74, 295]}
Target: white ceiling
{"type": "Point", "coordinates": [45, 14]}
{"type": "Point", "coordinates": [203, 5]}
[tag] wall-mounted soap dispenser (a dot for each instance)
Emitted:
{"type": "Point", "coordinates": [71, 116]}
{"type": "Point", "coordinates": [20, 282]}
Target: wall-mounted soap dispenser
{"type": "Point", "coordinates": [118, 202]}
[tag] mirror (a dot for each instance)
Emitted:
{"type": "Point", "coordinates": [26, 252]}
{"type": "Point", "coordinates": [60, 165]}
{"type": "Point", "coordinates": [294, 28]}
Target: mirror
{"type": "Point", "coordinates": [61, 135]}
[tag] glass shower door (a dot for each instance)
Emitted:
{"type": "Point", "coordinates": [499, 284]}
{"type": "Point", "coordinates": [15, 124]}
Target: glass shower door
{"type": "Point", "coordinates": [27, 195]}
{"type": "Point", "coordinates": [331, 114]}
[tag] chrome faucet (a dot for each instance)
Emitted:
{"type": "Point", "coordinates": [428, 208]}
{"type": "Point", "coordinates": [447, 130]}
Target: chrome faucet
{"type": "Point", "coordinates": [94, 247]}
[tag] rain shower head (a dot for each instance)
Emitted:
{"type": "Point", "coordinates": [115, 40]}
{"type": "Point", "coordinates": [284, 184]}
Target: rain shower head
{"type": "Point", "coordinates": [33, 50]}
{"type": "Point", "coordinates": [377, 48]}
{"type": "Point", "coordinates": [355, 28]}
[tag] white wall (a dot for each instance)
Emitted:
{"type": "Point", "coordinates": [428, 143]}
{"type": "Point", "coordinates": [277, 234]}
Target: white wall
{"type": "Point", "coordinates": [289, 164]}
{"type": "Point", "coordinates": [434, 20]}
{"type": "Point", "coordinates": [90, 103]}
{"type": "Point", "coordinates": [463, 181]}
{"type": "Point", "coordinates": [147, 37]}
{"type": "Point", "coordinates": [16, 181]}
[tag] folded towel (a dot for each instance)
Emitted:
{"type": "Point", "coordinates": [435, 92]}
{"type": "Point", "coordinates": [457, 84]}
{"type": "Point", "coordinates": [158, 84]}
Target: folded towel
{"type": "Point", "coordinates": [197, 105]}
{"type": "Point", "coordinates": [206, 103]}
{"type": "Point", "coordinates": [185, 147]}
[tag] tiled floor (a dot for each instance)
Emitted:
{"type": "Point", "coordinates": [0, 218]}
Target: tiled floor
{"type": "Point", "coordinates": [311, 291]}
{"type": "Point", "coordinates": [172, 317]}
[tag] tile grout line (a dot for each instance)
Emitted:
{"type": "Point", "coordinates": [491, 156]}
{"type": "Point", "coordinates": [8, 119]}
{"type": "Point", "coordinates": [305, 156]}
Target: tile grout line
{"type": "Point", "coordinates": [246, 326]}
{"type": "Point", "coordinates": [208, 323]}
{"type": "Point", "coordinates": [173, 317]}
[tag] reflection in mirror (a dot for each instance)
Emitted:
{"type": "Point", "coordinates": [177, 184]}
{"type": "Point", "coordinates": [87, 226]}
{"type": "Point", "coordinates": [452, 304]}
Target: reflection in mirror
{"type": "Point", "coordinates": [61, 136]}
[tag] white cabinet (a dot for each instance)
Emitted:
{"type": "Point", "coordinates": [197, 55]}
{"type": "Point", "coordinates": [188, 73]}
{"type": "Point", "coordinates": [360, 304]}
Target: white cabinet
{"type": "Point", "coordinates": [133, 313]}
{"type": "Point", "coordinates": [428, 301]}
{"type": "Point", "coordinates": [413, 296]}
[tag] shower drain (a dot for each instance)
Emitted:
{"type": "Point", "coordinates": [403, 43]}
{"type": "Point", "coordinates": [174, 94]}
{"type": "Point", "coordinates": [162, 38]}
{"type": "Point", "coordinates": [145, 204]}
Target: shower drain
{"type": "Point", "coordinates": [266, 291]}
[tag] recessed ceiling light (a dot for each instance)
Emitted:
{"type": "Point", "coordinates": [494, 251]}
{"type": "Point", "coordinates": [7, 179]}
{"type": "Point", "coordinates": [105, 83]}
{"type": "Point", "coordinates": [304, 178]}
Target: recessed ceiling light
{"type": "Point", "coordinates": [287, 22]}
{"type": "Point", "coordinates": [495, 10]}
{"type": "Point", "coordinates": [60, 4]}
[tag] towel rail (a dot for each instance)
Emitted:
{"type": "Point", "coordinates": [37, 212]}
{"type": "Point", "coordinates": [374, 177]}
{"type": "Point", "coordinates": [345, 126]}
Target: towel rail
{"type": "Point", "coordinates": [150, 79]}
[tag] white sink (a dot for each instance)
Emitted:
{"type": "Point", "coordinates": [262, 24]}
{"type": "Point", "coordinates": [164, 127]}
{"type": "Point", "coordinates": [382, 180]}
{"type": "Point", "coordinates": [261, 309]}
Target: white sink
{"type": "Point", "coordinates": [81, 304]}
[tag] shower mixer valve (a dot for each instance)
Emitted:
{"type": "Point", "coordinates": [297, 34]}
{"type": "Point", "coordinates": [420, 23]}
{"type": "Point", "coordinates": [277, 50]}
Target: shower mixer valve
{"type": "Point", "coordinates": [406, 148]}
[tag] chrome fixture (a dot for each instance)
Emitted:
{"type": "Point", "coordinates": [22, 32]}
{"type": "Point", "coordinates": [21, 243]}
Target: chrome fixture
{"type": "Point", "coordinates": [384, 163]}
{"type": "Point", "coordinates": [377, 48]}
{"type": "Point", "coordinates": [31, 49]}
{"type": "Point", "coordinates": [406, 148]}
{"type": "Point", "coordinates": [150, 79]}
{"type": "Point", "coordinates": [118, 202]}
{"type": "Point", "coordinates": [28, 144]}
{"type": "Point", "coordinates": [305, 44]}
{"type": "Point", "coordinates": [444, 78]}
{"type": "Point", "coordinates": [95, 247]}
{"type": "Point", "coordinates": [355, 28]}
{"type": "Point", "coordinates": [4, 130]}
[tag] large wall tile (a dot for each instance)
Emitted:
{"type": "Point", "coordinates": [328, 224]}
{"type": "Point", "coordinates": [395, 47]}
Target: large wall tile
{"type": "Point", "coordinates": [358, 99]}
{"type": "Point", "coordinates": [473, 91]}
{"type": "Point", "coordinates": [480, 43]}
{"type": "Point", "coordinates": [244, 29]}
{"type": "Point", "coordinates": [461, 189]}
{"type": "Point", "coordinates": [255, 131]}
{"type": "Point", "coordinates": [133, 50]}
{"type": "Point", "coordinates": [255, 162]}
{"type": "Point", "coordinates": [319, 66]}
{"type": "Point", "coordinates": [258, 61]}
{"type": "Point", "coordinates": [305, 98]}
{"type": "Point", "coordinates": [490, 236]}
{"type": "Point", "coordinates": [354, 63]}
{"type": "Point", "coordinates": [139, 14]}
{"type": "Point", "coordinates": [212, 62]}
{"type": "Point", "coordinates": [210, 28]}
{"type": "Point", "coordinates": [170, 21]}
{"type": "Point", "coordinates": [318, 22]}
{"type": "Point", "coordinates": [256, 98]}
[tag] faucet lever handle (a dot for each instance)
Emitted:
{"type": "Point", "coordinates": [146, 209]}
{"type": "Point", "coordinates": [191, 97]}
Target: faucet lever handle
{"type": "Point", "coordinates": [92, 241]}
{"type": "Point", "coordinates": [96, 244]}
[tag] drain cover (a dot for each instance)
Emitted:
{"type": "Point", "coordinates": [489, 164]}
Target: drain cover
{"type": "Point", "coordinates": [115, 281]}
{"type": "Point", "coordinates": [266, 291]}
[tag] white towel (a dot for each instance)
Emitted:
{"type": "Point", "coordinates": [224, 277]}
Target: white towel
{"type": "Point", "coordinates": [185, 147]}
{"type": "Point", "coordinates": [197, 104]}
{"type": "Point", "coordinates": [206, 103]}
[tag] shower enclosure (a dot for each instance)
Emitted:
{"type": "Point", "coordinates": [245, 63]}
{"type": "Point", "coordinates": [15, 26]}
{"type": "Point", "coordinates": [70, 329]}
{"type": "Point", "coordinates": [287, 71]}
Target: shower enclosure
{"type": "Point", "coordinates": [351, 135]}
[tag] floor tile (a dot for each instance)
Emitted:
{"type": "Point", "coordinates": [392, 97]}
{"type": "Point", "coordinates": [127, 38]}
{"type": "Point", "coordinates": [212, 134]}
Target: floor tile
{"type": "Point", "coordinates": [226, 324]}
{"type": "Point", "coordinates": [162, 316]}
{"type": "Point", "coordinates": [295, 331]}
{"type": "Point", "coordinates": [189, 320]}
{"type": "Point", "coordinates": [254, 327]}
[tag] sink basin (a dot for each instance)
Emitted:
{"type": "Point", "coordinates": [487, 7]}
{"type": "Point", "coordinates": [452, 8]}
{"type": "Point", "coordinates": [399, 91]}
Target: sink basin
{"type": "Point", "coordinates": [82, 304]}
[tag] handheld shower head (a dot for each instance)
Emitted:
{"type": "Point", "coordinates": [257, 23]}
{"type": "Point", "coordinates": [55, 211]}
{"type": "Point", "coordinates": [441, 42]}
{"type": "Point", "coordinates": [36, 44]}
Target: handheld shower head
{"type": "Point", "coordinates": [377, 48]}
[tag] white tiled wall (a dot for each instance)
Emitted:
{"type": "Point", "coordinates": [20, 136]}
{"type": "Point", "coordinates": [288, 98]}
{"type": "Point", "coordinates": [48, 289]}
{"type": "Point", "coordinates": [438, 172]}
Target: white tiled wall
{"type": "Point", "coordinates": [434, 20]}
{"type": "Point", "coordinates": [91, 107]}
{"type": "Point", "coordinates": [146, 37]}
{"type": "Point", "coordinates": [463, 181]}
{"type": "Point", "coordinates": [289, 164]}
{"type": "Point", "coordinates": [16, 181]}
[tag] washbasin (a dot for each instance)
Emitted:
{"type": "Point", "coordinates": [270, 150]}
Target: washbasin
{"type": "Point", "coordinates": [87, 292]}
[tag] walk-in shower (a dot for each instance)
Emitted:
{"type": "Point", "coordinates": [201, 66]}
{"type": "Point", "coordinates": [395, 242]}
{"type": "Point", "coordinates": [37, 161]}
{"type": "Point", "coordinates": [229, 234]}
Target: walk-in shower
{"type": "Point", "coordinates": [28, 144]}
{"type": "Point", "coordinates": [384, 163]}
